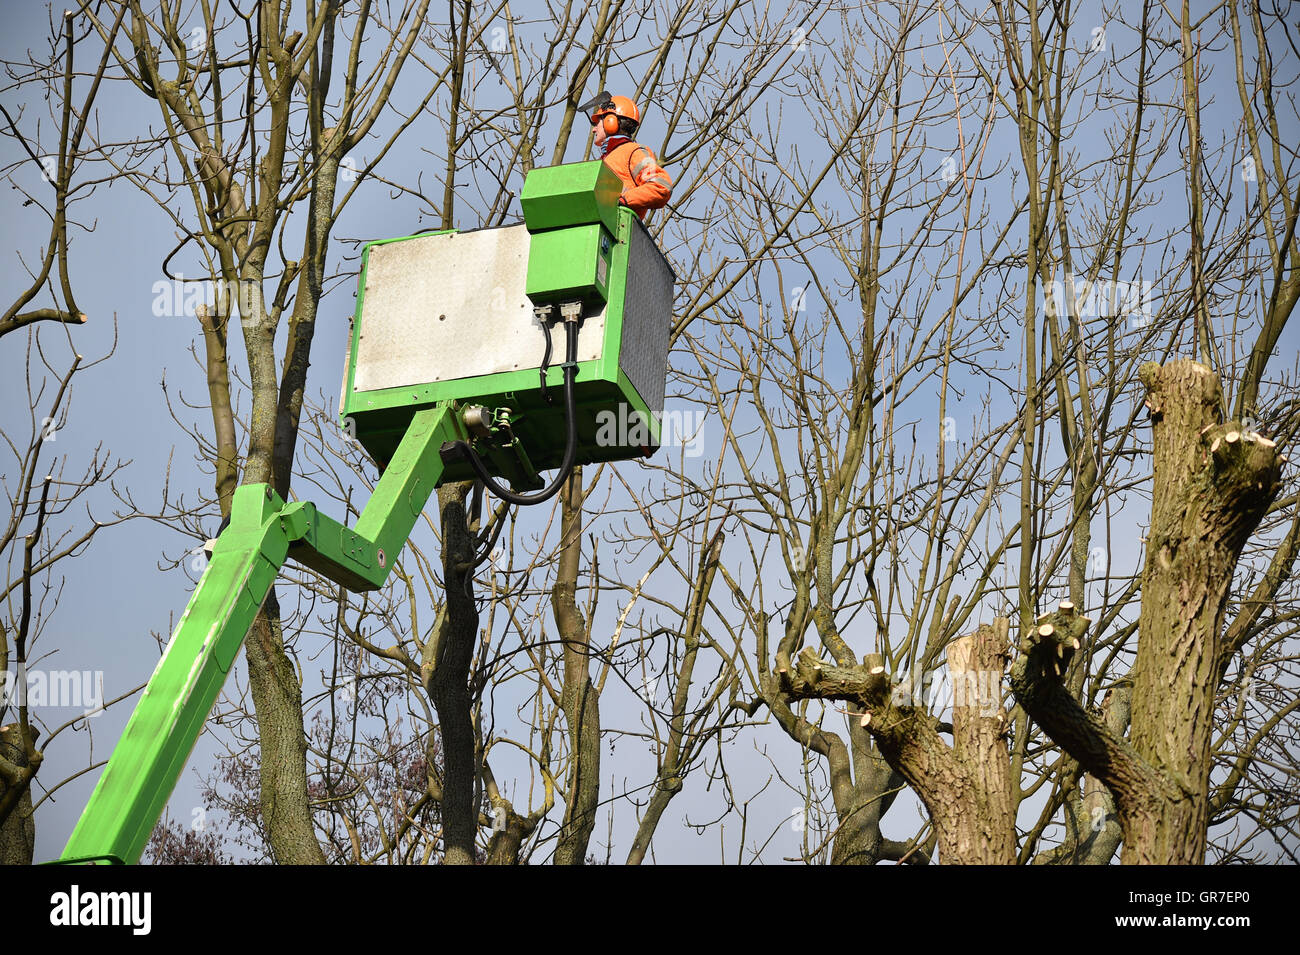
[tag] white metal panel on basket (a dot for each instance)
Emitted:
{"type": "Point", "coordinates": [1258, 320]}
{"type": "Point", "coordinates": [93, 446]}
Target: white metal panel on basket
{"type": "Point", "coordinates": [441, 307]}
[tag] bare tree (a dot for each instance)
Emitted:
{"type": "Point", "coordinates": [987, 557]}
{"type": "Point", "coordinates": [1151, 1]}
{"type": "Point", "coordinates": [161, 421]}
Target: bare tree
{"type": "Point", "coordinates": [259, 118]}
{"type": "Point", "coordinates": [44, 490]}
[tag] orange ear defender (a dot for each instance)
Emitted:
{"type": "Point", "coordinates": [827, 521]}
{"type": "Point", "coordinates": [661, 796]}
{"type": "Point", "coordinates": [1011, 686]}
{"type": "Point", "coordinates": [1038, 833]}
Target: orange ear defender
{"type": "Point", "coordinates": [609, 122]}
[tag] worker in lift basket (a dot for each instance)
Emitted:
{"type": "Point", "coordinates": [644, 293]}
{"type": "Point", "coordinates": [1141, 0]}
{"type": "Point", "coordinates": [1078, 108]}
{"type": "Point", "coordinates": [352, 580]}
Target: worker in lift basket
{"type": "Point", "coordinates": [645, 184]}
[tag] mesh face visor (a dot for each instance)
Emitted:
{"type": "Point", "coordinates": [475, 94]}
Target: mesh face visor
{"type": "Point", "coordinates": [602, 101]}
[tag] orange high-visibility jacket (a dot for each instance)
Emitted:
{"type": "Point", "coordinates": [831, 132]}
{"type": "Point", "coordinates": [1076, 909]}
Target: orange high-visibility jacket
{"type": "Point", "coordinates": [646, 185]}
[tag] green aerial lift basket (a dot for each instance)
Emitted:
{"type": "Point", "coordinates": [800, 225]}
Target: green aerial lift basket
{"type": "Point", "coordinates": [451, 316]}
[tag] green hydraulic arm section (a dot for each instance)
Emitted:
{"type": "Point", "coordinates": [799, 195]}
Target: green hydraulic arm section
{"type": "Point", "coordinates": [263, 533]}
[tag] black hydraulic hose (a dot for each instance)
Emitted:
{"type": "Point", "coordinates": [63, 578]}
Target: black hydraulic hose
{"type": "Point", "coordinates": [570, 367]}
{"type": "Point", "coordinates": [546, 359]}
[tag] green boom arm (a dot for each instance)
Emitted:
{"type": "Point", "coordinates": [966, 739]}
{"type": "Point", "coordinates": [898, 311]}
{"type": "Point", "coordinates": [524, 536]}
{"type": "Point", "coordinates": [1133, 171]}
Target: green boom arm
{"type": "Point", "coordinates": [263, 533]}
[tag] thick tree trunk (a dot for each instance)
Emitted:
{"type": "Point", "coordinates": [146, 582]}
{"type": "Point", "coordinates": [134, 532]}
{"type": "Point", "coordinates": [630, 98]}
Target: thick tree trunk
{"type": "Point", "coordinates": [277, 694]}
{"type": "Point", "coordinates": [859, 841]}
{"type": "Point", "coordinates": [582, 713]}
{"type": "Point", "coordinates": [277, 699]}
{"type": "Point", "coordinates": [311, 280]}
{"type": "Point", "coordinates": [508, 840]}
{"type": "Point", "coordinates": [986, 828]}
{"type": "Point", "coordinates": [1213, 484]}
{"type": "Point", "coordinates": [18, 831]}
{"type": "Point", "coordinates": [449, 684]}
{"type": "Point", "coordinates": [579, 698]}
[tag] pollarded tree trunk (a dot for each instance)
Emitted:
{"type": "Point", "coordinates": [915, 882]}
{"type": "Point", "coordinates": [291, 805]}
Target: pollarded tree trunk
{"type": "Point", "coordinates": [966, 787]}
{"type": "Point", "coordinates": [976, 663]}
{"type": "Point", "coordinates": [1213, 483]}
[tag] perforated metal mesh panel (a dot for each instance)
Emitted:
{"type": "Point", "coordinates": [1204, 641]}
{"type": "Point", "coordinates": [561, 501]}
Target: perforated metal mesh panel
{"type": "Point", "coordinates": [442, 307]}
{"type": "Point", "coordinates": [647, 318]}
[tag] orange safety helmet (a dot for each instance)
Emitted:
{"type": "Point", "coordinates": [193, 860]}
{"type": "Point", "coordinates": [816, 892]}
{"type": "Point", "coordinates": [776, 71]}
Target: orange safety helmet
{"type": "Point", "coordinates": [607, 110]}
